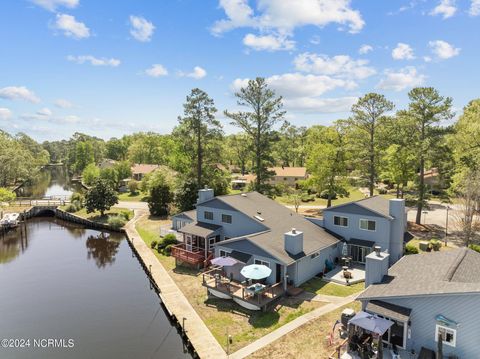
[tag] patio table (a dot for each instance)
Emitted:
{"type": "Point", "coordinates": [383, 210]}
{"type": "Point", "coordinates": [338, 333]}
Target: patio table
{"type": "Point", "coordinates": [255, 288]}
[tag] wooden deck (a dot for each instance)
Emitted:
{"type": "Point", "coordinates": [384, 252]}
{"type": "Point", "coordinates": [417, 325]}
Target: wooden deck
{"type": "Point", "coordinates": [214, 279]}
{"type": "Point", "coordinates": [194, 256]}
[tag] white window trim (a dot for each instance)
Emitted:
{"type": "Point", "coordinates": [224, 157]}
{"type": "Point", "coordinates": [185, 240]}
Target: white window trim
{"type": "Point", "coordinates": [339, 225]}
{"type": "Point", "coordinates": [261, 262]}
{"type": "Point", "coordinates": [224, 251]}
{"type": "Point", "coordinates": [368, 220]}
{"type": "Point", "coordinates": [438, 326]}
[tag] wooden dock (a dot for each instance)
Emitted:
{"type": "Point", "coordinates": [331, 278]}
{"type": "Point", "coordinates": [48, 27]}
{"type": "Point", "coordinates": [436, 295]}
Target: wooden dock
{"type": "Point", "coordinates": [202, 340]}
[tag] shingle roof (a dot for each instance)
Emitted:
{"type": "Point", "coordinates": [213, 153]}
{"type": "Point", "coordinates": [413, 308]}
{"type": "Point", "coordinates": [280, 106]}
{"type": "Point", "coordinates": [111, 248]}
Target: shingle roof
{"type": "Point", "coordinates": [289, 171]}
{"type": "Point", "coordinates": [277, 220]}
{"type": "Point", "coordinates": [200, 229]}
{"type": "Point", "coordinates": [447, 272]}
{"type": "Point", "coordinates": [143, 168]}
{"type": "Point", "coordinates": [377, 204]}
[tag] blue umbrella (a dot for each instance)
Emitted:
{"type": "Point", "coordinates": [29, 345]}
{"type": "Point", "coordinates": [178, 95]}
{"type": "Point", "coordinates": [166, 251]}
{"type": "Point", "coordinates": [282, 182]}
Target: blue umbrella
{"type": "Point", "coordinates": [256, 271]}
{"type": "Point", "coordinates": [224, 261]}
{"type": "Point", "coordinates": [371, 322]}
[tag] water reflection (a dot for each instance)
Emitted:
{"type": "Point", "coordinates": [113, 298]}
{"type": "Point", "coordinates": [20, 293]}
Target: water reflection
{"type": "Point", "coordinates": [51, 182]}
{"type": "Point", "coordinates": [102, 249]}
{"type": "Point", "coordinates": [11, 245]}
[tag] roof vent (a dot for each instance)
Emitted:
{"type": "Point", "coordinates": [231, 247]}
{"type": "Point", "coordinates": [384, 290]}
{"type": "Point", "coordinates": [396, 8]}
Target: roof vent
{"type": "Point", "coordinates": [294, 231]}
{"type": "Point", "coordinates": [377, 250]}
{"type": "Point", "coordinates": [258, 218]}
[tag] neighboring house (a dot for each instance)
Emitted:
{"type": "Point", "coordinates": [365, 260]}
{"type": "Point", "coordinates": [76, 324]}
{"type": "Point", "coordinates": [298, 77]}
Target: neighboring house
{"type": "Point", "coordinates": [254, 229]}
{"type": "Point", "coordinates": [427, 296]}
{"type": "Point", "coordinates": [288, 175]}
{"type": "Point", "coordinates": [432, 180]}
{"type": "Point", "coordinates": [140, 170]}
{"type": "Point", "coordinates": [107, 163]}
{"type": "Point", "coordinates": [369, 222]}
{"type": "Point", "coordinates": [281, 175]}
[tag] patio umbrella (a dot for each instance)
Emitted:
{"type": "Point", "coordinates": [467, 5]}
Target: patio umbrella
{"type": "Point", "coordinates": [345, 249]}
{"type": "Point", "coordinates": [224, 261]}
{"type": "Point", "coordinates": [371, 322]}
{"type": "Point", "coordinates": [256, 271]}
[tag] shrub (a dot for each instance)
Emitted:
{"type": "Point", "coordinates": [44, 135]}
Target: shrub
{"type": "Point", "coordinates": [72, 208]}
{"type": "Point", "coordinates": [167, 242]}
{"type": "Point", "coordinates": [133, 186]}
{"type": "Point", "coordinates": [435, 244]}
{"type": "Point", "coordinates": [117, 221]}
{"type": "Point", "coordinates": [475, 247]}
{"type": "Point", "coordinates": [77, 196]}
{"type": "Point", "coordinates": [324, 195]}
{"type": "Point", "coordinates": [153, 244]}
{"type": "Point", "coordinates": [411, 249]}
{"type": "Point", "coordinates": [382, 191]}
{"type": "Point", "coordinates": [307, 198]}
{"type": "Point", "coordinates": [126, 214]}
{"type": "Point", "coordinates": [168, 250]}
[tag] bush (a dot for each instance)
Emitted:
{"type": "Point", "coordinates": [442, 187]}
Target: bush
{"type": "Point", "coordinates": [435, 244]}
{"type": "Point", "coordinates": [475, 247]}
{"type": "Point", "coordinates": [126, 214]}
{"type": "Point", "coordinates": [165, 245]}
{"type": "Point", "coordinates": [382, 191]}
{"type": "Point", "coordinates": [324, 195]}
{"type": "Point", "coordinates": [117, 221]}
{"type": "Point", "coordinates": [153, 244]}
{"type": "Point", "coordinates": [411, 249]}
{"type": "Point", "coordinates": [307, 198]}
{"type": "Point", "coordinates": [133, 186]}
{"type": "Point", "coordinates": [73, 207]}
{"type": "Point", "coordinates": [77, 196]}
{"type": "Point", "coordinates": [168, 250]}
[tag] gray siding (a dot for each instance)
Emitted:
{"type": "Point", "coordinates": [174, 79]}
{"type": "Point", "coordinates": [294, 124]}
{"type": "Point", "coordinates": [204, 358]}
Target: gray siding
{"type": "Point", "coordinates": [179, 221]}
{"type": "Point", "coordinates": [381, 236]}
{"type": "Point", "coordinates": [308, 267]}
{"type": "Point", "coordinates": [241, 224]}
{"type": "Point", "coordinates": [461, 308]}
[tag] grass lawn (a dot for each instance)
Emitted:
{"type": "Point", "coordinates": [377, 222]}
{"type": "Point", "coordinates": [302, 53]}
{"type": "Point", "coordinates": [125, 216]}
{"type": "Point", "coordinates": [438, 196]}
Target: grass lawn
{"type": "Point", "coordinates": [129, 197]}
{"type": "Point", "coordinates": [222, 316]}
{"type": "Point", "coordinates": [355, 195]}
{"type": "Point", "coordinates": [307, 341]}
{"type": "Point", "coordinates": [96, 217]}
{"type": "Point", "coordinates": [319, 286]}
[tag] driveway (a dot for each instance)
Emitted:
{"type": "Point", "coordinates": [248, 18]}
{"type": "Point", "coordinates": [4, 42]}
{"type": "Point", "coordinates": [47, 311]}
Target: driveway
{"type": "Point", "coordinates": [132, 205]}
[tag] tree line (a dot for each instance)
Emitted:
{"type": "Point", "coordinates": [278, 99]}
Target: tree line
{"type": "Point", "coordinates": [376, 143]}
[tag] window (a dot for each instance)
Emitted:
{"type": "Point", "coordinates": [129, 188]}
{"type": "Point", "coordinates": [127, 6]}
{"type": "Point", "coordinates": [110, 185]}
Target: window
{"type": "Point", "coordinates": [208, 215]}
{"type": "Point", "coordinates": [226, 218]}
{"type": "Point", "coordinates": [368, 225]}
{"type": "Point", "coordinates": [258, 261]}
{"type": "Point", "coordinates": [449, 335]}
{"type": "Point", "coordinates": [340, 221]}
{"type": "Point", "coordinates": [224, 253]}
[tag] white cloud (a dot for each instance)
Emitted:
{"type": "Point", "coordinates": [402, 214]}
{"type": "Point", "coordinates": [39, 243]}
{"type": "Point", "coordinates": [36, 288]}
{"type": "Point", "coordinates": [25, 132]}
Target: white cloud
{"type": "Point", "coordinates": [446, 8]}
{"type": "Point", "coordinates": [141, 29]}
{"type": "Point", "coordinates": [44, 112]}
{"type": "Point", "coordinates": [156, 70]}
{"type": "Point", "coordinates": [268, 42]}
{"type": "Point", "coordinates": [365, 49]}
{"type": "Point", "coordinates": [443, 50]}
{"type": "Point", "coordinates": [197, 73]}
{"type": "Point", "coordinates": [402, 79]}
{"type": "Point", "coordinates": [403, 52]}
{"type": "Point", "coordinates": [474, 8]}
{"type": "Point", "coordinates": [95, 61]}
{"type": "Point", "coordinates": [70, 119]}
{"type": "Point", "coordinates": [53, 4]}
{"type": "Point", "coordinates": [323, 105]}
{"type": "Point", "coordinates": [5, 113]}
{"type": "Point", "coordinates": [285, 16]}
{"type": "Point", "coordinates": [340, 65]}
{"type": "Point", "coordinates": [292, 85]}
{"type": "Point", "coordinates": [71, 27]}
{"type": "Point", "coordinates": [18, 93]}
{"type": "Point", "coordinates": [62, 103]}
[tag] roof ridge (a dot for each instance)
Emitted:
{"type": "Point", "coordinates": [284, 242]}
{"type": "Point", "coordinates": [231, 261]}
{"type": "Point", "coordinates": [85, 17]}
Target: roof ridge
{"type": "Point", "coordinates": [455, 264]}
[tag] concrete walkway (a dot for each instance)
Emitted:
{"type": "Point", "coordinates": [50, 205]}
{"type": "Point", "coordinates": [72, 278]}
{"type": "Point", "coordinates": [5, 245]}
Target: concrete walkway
{"type": "Point", "coordinates": [172, 297]}
{"type": "Point", "coordinates": [289, 327]}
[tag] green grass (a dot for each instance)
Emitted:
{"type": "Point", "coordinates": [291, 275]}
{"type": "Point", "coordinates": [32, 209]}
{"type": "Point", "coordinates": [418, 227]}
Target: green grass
{"type": "Point", "coordinates": [96, 217]}
{"type": "Point", "coordinates": [128, 197]}
{"type": "Point", "coordinates": [319, 286]}
{"type": "Point", "coordinates": [355, 195]}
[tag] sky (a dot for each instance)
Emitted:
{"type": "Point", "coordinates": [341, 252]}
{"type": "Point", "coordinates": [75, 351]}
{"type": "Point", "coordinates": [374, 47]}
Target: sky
{"type": "Point", "coordinates": [113, 67]}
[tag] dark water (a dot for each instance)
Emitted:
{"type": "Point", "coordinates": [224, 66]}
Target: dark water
{"type": "Point", "coordinates": [53, 181]}
{"type": "Point", "coordinates": [67, 282]}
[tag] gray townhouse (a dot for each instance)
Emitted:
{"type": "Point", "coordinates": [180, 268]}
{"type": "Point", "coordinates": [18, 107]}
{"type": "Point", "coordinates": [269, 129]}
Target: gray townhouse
{"type": "Point", "coordinates": [369, 222]}
{"type": "Point", "coordinates": [255, 229]}
{"type": "Point", "coordinates": [429, 297]}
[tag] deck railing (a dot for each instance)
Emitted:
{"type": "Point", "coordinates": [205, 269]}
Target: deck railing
{"type": "Point", "coordinates": [192, 255]}
{"type": "Point", "coordinates": [216, 279]}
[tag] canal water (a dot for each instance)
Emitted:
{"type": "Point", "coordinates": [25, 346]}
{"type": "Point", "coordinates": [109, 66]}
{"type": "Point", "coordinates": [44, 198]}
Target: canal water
{"type": "Point", "coordinates": [53, 181]}
{"type": "Point", "coordinates": [71, 292]}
